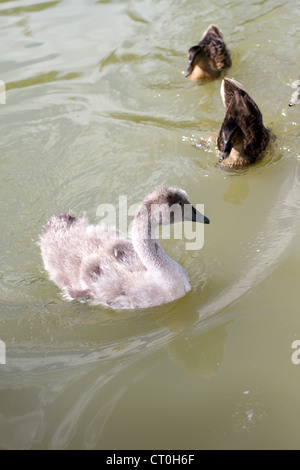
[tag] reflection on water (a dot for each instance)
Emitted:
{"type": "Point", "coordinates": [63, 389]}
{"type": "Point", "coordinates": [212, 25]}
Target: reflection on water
{"type": "Point", "coordinates": [97, 107]}
{"type": "Point", "coordinates": [87, 398]}
{"type": "Point", "coordinates": [200, 355]}
{"type": "Point", "coordinates": [238, 190]}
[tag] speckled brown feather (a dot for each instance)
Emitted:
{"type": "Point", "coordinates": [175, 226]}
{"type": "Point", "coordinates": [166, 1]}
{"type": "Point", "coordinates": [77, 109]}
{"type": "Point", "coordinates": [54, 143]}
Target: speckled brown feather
{"type": "Point", "coordinates": [210, 57]}
{"type": "Point", "coordinates": [214, 47]}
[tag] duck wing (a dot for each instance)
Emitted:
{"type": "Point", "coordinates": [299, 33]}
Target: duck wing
{"type": "Point", "coordinates": [243, 116]}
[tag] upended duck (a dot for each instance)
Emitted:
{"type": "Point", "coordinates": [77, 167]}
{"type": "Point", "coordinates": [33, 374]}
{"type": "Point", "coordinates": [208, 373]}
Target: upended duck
{"type": "Point", "coordinates": [91, 262]}
{"type": "Point", "coordinates": [209, 58]}
{"type": "Point", "coordinates": [295, 99]}
{"type": "Point", "coordinates": [242, 137]}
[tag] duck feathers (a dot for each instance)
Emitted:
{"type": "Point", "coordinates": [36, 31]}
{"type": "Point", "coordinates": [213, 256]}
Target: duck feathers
{"type": "Point", "coordinates": [210, 57]}
{"type": "Point", "coordinates": [243, 123]}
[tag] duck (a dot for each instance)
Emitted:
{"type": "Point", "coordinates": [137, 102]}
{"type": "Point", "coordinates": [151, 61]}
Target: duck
{"type": "Point", "coordinates": [210, 58]}
{"type": "Point", "coordinates": [242, 137]}
{"type": "Point", "coordinates": [97, 263]}
{"type": "Point", "coordinates": [295, 99]}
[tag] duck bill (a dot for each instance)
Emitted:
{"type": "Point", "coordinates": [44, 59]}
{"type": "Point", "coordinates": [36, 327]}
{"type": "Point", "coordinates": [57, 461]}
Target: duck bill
{"type": "Point", "coordinates": [223, 156]}
{"type": "Point", "coordinates": [193, 215]}
{"type": "Point", "coordinates": [295, 98]}
{"type": "Point", "coordinates": [226, 150]}
{"type": "Point", "coordinates": [189, 69]}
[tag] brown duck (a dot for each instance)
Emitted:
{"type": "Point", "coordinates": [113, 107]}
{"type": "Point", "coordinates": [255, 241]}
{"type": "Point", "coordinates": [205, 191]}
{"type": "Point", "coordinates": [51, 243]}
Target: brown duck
{"type": "Point", "coordinates": [243, 137]}
{"type": "Point", "coordinates": [210, 57]}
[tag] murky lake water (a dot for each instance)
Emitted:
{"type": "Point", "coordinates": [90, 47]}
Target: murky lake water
{"type": "Point", "coordinates": [97, 106]}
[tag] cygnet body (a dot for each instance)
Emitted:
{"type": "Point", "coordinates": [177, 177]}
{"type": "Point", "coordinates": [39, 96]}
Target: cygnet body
{"type": "Point", "coordinates": [91, 262]}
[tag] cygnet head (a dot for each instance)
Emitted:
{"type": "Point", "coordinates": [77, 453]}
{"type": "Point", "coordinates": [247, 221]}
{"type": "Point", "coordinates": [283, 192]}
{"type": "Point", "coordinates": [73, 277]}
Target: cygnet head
{"type": "Point", "coordinates": [168, 205]}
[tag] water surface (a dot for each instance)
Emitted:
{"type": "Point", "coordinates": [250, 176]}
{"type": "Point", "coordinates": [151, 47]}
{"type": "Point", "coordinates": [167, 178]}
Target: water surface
{"type": "Point", "coordinates": [97, 106]}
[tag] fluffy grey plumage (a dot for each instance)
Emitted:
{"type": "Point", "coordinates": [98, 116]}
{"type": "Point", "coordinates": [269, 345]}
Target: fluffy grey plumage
{"type": "Point", "coordinates": [100, 264]}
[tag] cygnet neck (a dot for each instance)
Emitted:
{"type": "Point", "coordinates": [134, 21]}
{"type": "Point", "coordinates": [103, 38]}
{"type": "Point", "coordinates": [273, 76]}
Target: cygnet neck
{"type": "Point", "coordinates": [153, 255]}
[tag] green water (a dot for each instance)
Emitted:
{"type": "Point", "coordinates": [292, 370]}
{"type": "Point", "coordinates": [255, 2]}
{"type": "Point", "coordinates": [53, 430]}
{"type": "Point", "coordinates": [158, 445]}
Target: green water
{"type": "Point", "coordinates": [97, 106]}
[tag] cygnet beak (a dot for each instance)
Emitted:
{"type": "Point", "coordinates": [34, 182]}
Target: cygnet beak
{"type": "Point", "coordinates": [191, 214]}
